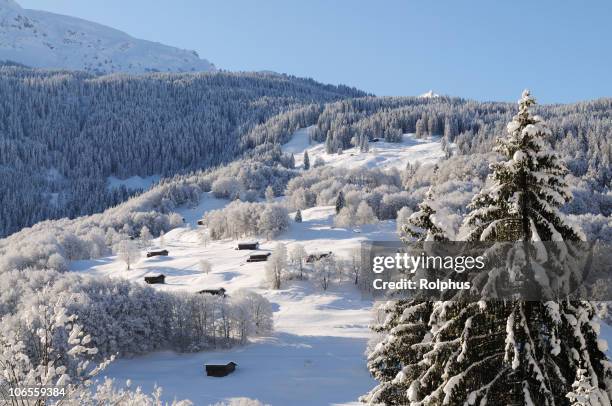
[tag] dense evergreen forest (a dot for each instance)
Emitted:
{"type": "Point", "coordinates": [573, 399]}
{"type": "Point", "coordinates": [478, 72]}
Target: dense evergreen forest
{"type": "Point", "coordinates": [63, 133]}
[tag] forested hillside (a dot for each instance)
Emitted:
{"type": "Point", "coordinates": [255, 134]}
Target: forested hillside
{"type": "Point", "coordinates": [63, 133]}
{"type": "Point", "coordinates": [581, 131]}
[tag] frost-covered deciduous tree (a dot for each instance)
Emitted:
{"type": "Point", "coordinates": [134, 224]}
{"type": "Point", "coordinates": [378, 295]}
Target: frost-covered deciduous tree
{"type": "Point", "coordinates": [345, 218]}
{"type": "Point", "coordinates": [365, 214]}
{"type": "Point", "coordinates": [227, 188]}
{"type": "Point", "coordinates": [325, 271]}
{"type": "Point", "coordinates": [204, 266]}
{"type": "Point", "coordinates": [275, 266]}
{"type": "Point", "coordinates": [47, 348]}
{"type": "Point", "coordinates": [128, 252]}
{"type": "Point", "coordinates": [297, 255]}
{"type": "Point", "coordinates": [402, 218]}
{"type": "Point", "coordinates": [204, 235]}
{"type": "Point", "coordinates": [258, 310]}
{"type": "Point", "coordinates": [145, 237]}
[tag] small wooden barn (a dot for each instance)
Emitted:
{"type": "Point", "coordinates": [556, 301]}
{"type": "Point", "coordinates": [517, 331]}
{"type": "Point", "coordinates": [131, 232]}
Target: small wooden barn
{"type": "Point", "coordinates": [258, 257]}
{"type": "Point", "coordinates": [317, 256]}
{"type": "Point", "coordinates": [216, 292]}
{"type": "Point", "coordinates": [157, 253]}
{"type": "Point", "coordinates": [220, 370]}
{"type": "Point", "coordinates": [248, 245]}
{"type": "Point", "coordinates": [155, 279]}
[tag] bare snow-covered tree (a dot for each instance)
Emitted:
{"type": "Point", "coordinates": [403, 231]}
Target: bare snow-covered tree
{"type": "Point", "coordinates": [365, 214]}
{"type": "Point", "coordinates": [402, 218]}
{"type": "Point", "coordinates": [275, 265]}
{"type": "Point", "coordinates": [227, 187]}
{"type": "Point", "coordinates": [325, 270]}
{"type": "Point", "coordinates": [204, 235]}
{"type": "Point", "coordinates": [205, 266]}
{"type": "Point", "coordinates": [145, 237]}
{"type": "Point", "coordinates": [345, 218]}
{"type": "Point", "coordinates": [128, 252]}
{"type": "Point", "coordinates": [32, 357]}
{"type": "Point", "coordinates": [297, 254]}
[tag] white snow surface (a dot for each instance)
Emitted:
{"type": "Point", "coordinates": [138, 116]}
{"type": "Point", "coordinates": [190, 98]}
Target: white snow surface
{"type": "Point", "coordinates": [316, 355]}
{"type": "Point", "coordinates": [133, 182]}
{"type": "Point", "coordinates": [382, 154]}
{"type": "Point", "coordinates": [429, 95]}
{"type": "Point", "coordinates": [46, 40]}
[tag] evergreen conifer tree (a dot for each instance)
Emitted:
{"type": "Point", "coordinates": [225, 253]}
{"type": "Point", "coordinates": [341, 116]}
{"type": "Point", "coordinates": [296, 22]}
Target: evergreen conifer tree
{"type": "Point", "coordinates": [421, 226]}
{"type": "Point", "coordinates": [340, 202]}
{"type": "Point", "coordinates": [329, 143]}
{"type": "Point", "coordinates": [306, 161]}
{"type": "Point", "coordinates": [298, 216]}
{"type": "Point", "coordinates": [499, 352]}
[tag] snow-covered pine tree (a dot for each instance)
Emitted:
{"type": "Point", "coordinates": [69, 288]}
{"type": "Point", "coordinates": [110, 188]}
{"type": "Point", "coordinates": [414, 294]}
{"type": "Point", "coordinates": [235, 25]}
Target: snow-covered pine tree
{"type": "Point", "coordinates": [404, 330]}
{"type": "Point", "coordinates": [525, 190]}
{"type": "Point", "coordinates": [340, 202]}
{"type": "Point", "coordinates": [306, 161]}
{"type": "Point", "coordinates": [503, 352]}
{"type": "Point", "coordinates": [582, 388]}
{"type": "Point", "coordinates": [298, 216]}
{"type": "Point", "coordinates": [421, 226]}
{"type": "Point", "coordinates": [329, 143]}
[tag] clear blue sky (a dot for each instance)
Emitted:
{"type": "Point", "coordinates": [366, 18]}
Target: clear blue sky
{"type": "Point", "coordinates": [486, 50]}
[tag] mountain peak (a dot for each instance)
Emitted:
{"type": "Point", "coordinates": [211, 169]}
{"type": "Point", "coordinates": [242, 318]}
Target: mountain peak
{"type": "Point", "coordinates": [46, 40]}
{"type": "Point", "coordinates": [430, 94]}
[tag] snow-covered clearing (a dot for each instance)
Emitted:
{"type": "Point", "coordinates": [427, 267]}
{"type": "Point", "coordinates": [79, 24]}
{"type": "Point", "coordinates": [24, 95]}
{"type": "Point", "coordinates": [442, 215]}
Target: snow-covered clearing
{"type": "Point", "coordinates": [133, 182]}
{"type": "Point", "coordinates": [381, 154]}
{"type": "Point", "coordinates": [316, 355]}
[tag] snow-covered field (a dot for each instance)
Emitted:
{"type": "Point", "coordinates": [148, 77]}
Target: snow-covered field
{"type": "Point", "coordinates": [381, 154]}
{"type": "Point", "coordinates": [316, 354]}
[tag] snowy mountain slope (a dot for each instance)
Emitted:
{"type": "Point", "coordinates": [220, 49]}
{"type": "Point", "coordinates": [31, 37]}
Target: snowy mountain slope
{"type": "Point", "coordinates": [46, 40]}
{"type": "Point", "coordinates": [382, 154]}
{"type": "Point", "coordinates": [429, 95]}
{"type": "Point", "coordinates": [316, 353]}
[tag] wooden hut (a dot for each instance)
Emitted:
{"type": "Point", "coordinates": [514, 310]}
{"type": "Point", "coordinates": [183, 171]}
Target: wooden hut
{"type": "Point", "coordinates": [155, 279]}
{"type": "Point", "coordinates": [248, 245]}
{"type": "Point", "coordinates": [157, 253]}
{"type": "Point", "coordinates": [258, 257]}
{"type": "Point", "coordinates": [216, 292]}
{"type": "Point", "coordinates": [220, 370]}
